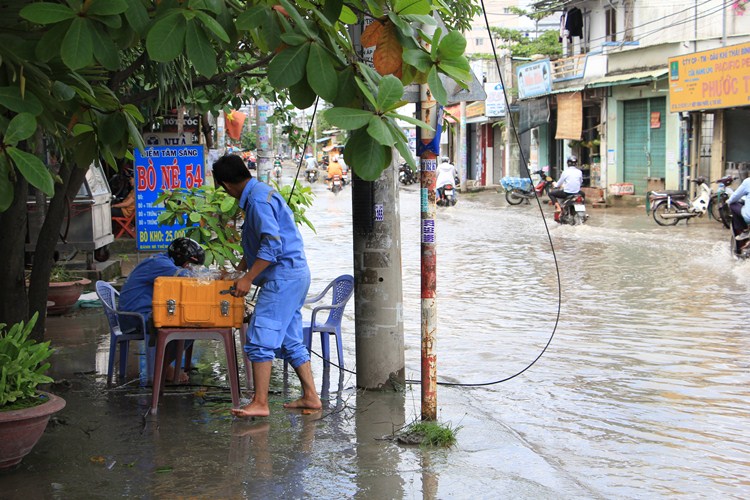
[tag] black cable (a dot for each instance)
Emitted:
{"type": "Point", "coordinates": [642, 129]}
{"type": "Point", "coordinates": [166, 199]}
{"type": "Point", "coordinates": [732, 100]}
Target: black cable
{"type": "Point", "coordinates": [302, 156]}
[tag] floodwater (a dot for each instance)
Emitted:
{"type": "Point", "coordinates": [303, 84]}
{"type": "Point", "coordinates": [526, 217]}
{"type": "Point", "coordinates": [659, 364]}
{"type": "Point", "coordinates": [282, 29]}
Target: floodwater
{"type": "Point", "coordinates": [641, 393]}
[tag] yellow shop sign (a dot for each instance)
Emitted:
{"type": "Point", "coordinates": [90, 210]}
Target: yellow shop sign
{"type": "Point", "coordinates": [712, 79]}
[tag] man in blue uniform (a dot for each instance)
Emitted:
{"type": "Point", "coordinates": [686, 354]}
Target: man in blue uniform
{"type": "Point", "coordinates": [274, 259]}
{"type": "Point", "coordinates": [138, 292]}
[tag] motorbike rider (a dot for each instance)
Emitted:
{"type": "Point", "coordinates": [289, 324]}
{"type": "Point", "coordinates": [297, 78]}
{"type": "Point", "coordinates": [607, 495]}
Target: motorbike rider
{"type": "Point", "coordinates": [310, 163]}
{"type": "Point", "coordinates": [344, 168]}
{"type": "Point", "coordinates": [446, 174]}
{"type": "Point", "coordinates": [334, 168]}
{"type": "Point", "coordinates": [740, 209]}
{"type": "Point", "coordinates": [568, 183]}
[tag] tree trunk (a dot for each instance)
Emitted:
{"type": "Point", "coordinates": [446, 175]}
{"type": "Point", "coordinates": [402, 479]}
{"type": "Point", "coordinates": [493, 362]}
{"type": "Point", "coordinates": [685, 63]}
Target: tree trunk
{"type": "Point", "coordinates": [59, 207]}
{"type": "Point", "coordinates": [13, 300]}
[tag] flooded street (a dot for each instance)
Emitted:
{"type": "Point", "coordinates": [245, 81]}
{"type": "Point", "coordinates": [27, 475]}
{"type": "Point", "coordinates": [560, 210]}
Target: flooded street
{"type": "Point", "coordinates": [641, 393]}
{"type": "Point", "coordinates": [644, 389]}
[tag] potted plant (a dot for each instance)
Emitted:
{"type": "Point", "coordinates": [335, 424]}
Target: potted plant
{"type": "Point", "coordinates": [64, 290]}
{"type": "Point", "coordinates": [24, 410]}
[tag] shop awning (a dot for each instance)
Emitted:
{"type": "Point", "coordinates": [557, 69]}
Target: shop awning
{"type": "Point", "coordinates": [629, 78]}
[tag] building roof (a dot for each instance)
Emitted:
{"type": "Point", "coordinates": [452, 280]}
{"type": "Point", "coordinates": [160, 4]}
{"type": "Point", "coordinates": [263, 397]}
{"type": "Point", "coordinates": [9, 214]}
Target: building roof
{"type": "Point", "coordinates": [629, 78]}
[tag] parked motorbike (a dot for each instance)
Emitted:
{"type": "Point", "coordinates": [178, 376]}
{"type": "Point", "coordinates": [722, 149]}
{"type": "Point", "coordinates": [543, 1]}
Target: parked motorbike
{"type": "Point", "coordinates": [446, 196]}
{"type": "Point", "coordinates": [572, 210]}
{"type": "Point", "coordinates": [670, 207]}
{"type": "Point", "coordinates": [335, 185]}
{"type": "Point", "coordinates": [312, 176]}
{"type": "Point", "coordinates": [516, 195]}
{"type": "Point", "coordinates": [406, 175]}
{"type": "Point", "coordinates": [717, 207]}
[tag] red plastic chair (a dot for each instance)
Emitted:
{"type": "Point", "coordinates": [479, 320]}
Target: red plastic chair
{"type": "Point", "coordinates": [126, 225]}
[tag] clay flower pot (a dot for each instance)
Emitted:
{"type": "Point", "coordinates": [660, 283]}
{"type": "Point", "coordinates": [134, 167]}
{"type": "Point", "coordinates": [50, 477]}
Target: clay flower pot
{"type": "Point", "coordinates": [64, 294]}
{"type": "Point", "coordinates": [21, 429]}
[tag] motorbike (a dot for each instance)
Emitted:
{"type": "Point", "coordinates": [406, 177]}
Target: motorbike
{"type": "Point", "coordinates": [670, 207]}
{"type": "Point", "coordinates": [312, 176]}
{"type": "Point", "coordinates": [277, 171]}
{"type": "Point", "coordinates": [572, 210]}
{"type": "Point", "coordinates": [717, 207]}
{"type": "Point", "coordinates": [516, 195]}
{"type": "Point", "coordinates": [446, 196]}
{"type": "Point", "coordinates": [335, 185]}
{"type": "Point", "coordinates": [406, 175]}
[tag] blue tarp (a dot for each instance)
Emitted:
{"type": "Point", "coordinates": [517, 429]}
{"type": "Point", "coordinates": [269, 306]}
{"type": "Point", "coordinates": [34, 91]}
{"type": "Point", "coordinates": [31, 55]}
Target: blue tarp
{"type": "Point", "coordinates": [523, 183]}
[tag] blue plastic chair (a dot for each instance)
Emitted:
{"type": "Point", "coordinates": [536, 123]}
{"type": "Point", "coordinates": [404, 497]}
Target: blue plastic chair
{"type": "Point", "coordinates": [108, 296]}
{"type": "Point", "coordinates": [342, 290]}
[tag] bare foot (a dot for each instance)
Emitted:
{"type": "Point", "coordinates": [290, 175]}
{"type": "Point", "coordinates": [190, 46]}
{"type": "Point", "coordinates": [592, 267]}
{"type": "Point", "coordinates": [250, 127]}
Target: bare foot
{"type": "Point", "coordinates": [184, 378]}
{"type": "Point", "coordinates": [305, 403]}
{"type": "Point", "coordinates": [252, 409]}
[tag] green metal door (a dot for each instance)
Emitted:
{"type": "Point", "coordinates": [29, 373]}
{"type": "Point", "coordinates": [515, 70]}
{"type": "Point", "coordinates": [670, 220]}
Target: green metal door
{"type": "Point", "coordinates": [644, 141]}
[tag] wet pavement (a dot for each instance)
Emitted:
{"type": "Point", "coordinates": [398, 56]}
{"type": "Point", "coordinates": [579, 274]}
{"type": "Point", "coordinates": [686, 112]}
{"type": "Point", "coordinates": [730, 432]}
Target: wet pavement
{"type": "Point", "coordinates": [642, 392]}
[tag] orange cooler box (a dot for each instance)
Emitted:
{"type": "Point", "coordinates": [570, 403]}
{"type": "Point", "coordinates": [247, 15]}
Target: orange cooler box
{"type": "Point", "coordinates": [195, 303]}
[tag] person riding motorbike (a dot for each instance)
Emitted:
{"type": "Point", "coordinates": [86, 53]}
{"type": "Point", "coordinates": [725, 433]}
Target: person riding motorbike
{"type": "Point", "coordinates": [310, 163]}
{"type": "Point", "coordinates": [740, 209]}
{"type": "Point", "coordinates": [568, 183]}
{"type": "Point", "coordinates": [334, 168]}
{"type": "Point", "coordinates": [446, 174]}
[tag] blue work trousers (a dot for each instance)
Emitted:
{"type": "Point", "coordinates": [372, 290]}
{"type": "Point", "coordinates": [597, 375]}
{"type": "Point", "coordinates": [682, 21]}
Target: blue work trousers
{"type": "Point", "coordinates": [275, 330]}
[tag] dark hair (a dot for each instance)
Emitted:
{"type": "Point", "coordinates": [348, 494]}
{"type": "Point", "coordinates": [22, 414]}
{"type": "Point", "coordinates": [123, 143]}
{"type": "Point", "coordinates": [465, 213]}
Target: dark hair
{"type": "Point", "coordinates": [230, 169]}
{"type": "Point", "coordinates": [184, 250]}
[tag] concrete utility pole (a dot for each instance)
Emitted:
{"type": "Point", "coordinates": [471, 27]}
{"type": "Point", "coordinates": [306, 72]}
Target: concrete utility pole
{"type": "Point", "coordinates": [264, 163]}
{"type": "Point", "coordinates": [430, 149]}
{"type": "Point", "coordinates": [378, 292]}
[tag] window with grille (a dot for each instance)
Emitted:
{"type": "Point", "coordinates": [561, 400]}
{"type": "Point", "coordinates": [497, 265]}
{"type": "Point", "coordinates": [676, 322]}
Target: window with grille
{"type": "Point", "coordinates": [610, 21]}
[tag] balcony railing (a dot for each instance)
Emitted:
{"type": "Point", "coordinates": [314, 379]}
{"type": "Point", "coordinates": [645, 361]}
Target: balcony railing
{"type": "Point", "coordinates": [568, 68]}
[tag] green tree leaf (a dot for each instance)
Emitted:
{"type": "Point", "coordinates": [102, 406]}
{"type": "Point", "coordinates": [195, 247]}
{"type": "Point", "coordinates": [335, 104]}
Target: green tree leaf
{"type": "Point", "coordinates": [347, 92]}
{"type": "Point", "coordinates": [47, 13]}
{"type": "Point", "coordinates": [107, 7]}
{"type": "Point", "coordinates": [213, 25]}
{"type": "Point", "coordinates": [10, 98]}
{"type": "Point", "coordinates": [348, 16]}
{"type": "Point", "coordinates": [379, 131]}
{"type": "Point", "coordinates": [405, 7]}
{"type": "Point", "coordinates": [301, 95]}
{"type": "Point", "coordinates": [460, 75]}
{"type": "Point", "coordinates": [6, 186]}
{"type": "Point", "coordinates": [418, 58]}
{"type": "Point", "coordinates": [199, 50]}
{"type": "Point", "coordinates": [297, 18]}
{"type": "Point", "coordinates": [62, 91]}
{"type": "Point", "coordinates": [33, 170]}
{"type": "Point", "coordinates": [20, 128]}
{"type": "Point", "coordinates": [332, 9]}
{"type": "Point", "coordinates": [452, 45]}
{"type": "Point", "coordinates": [166, 38]}
{"type": "Point", "coordinates": [348, 118]}
{"type": "Point", "coordinates": [413, 121]}
{"type": "Point", "coordinates": [436, 87]}
{"type": "Point", "coordinates": [288, 67]}
{"type": "Point", "coordinates": [49, 45]}
{"type": "Point", "coordinates": [77, 49]}
{"type": "Point", "coordinates": [390, 91]}
{"type": "Point", "coordinates": [253, 18]}
{"type": "Point", "coordinates": [105, 50]}
{"type": "Point", "coordinates": [227, 204]}
{"type": "Point", "coordinates": [367, 157]}
{"type": "Point", "coordinates": [320, 72]}
{"type": "Point", "coordinates": [137, 17]}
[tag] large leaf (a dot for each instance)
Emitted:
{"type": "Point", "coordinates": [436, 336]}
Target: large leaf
{"type": "Point", "coordinates": [320, 73]}
{"type": "Point", "coordinates": [105, 50]}
{"type": "Point", "coordinates": [47, 13]}
{"type": "Point", "coordinates": [461, 75]}
{"type": "Point", "coordinates": [452, 45]}
{"type": "Point", "coordinates": [33, 170]}
{"type": "Point", "coordinates": [107, 7]}
{"type": "Point", "coordinates": [297, 18]}
{"type": "Point", "coordinates": [367, 157]}
{"type": "Point", "coordinates": [288, 67]}
{"type": "Point", "coordinates": [379, 131]}
{"type": "Point", "coordinates": [213, 25]}
{"type": "Point", "coordinates": [166, 38]}
{"type": "Point", "coordinates": [387, 57]}
{"type": "Point", "coordinates": [77, 49]}
{"type": "Point", "coordinates": [199, 50]}
{"type": "Point", "coordinates": [418, 58]}
{"type": "Point", "coordinates": [49, 45]}
{"type": "Point", "coordinates": [10, 98]}
{"type": "Point", "coordinates": [347, 92]}
{"type": "Point", "coordinates": [436, 87]}
{"type": "Point", "coordinates": [62, 91]}
{"type": "Point", "coordinates": [301, 95]}
{"type": "Point", "coordinates": [404, 7]}
{"type": "Point", "coordinates": [332, 9]}
{"type": "Point", "coordinates": [6, 186]}
{"type": "Point", "coordinates": [20, 128]}
{"type": "Point", "coordinates": [137, 17]}
{"type": "Point", "coordinates": [348, 16]}
{"type": "Point", "coordinates": [112, 127]}
{"type": "Point", "coordinates": [413, 121]}
{"type": "Point", "coordinates": [390, 91]}
{"type": "Point", "coordinates": [348, 118]}
{"type": "Point", "coordinates": [252, 18]}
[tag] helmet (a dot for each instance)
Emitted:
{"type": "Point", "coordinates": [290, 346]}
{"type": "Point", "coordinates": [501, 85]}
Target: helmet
{"type": "Point", "coordinates": [184, 250]}
{"type": "Point", "coordinates": [572, 160]}
{"type": "Point", "coordinates": [445, 159]}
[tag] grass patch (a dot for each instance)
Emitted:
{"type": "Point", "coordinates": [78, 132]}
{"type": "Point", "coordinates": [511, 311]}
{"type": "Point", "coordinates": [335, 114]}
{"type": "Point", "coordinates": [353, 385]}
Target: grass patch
{"type": "Point", "coordinates": [431, 434]}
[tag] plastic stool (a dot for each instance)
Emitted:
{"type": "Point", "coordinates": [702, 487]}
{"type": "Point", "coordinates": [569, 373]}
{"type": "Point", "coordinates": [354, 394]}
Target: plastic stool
{"type": "Point", "coordinates": [166, 335]}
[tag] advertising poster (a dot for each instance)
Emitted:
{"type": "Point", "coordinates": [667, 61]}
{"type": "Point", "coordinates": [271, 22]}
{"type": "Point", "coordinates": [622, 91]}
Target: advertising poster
{"type": "Point", "coordinates": [534, 79]}
{"type": "Point", "coordinates": [157, 169]}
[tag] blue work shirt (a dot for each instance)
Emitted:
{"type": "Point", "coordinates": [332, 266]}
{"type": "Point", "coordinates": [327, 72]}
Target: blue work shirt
{"type": "Point", "coordinates": [138, 291]}
{"type": "Point", "coordinates": [269, 233]}
{"type": "Point", "coordinates": [739, 194]}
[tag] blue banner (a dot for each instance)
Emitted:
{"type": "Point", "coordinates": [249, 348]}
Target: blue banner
{"type": "Point", "coordinates": [158, 169]}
